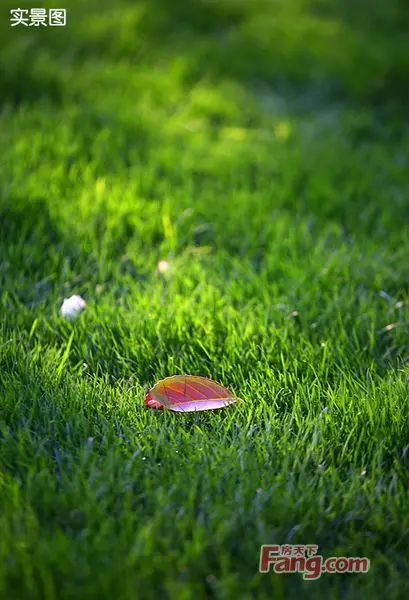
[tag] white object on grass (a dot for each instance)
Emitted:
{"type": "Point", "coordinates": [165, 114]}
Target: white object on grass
{"type": "Point", "coordinates": [163, 266]}
{"type": "Point", "coordinates": [72, 306]}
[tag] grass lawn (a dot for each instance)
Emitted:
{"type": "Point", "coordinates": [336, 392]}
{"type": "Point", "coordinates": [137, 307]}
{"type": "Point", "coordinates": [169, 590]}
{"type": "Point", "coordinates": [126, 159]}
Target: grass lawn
{"type": "Point", "coordinates": [262, 149]}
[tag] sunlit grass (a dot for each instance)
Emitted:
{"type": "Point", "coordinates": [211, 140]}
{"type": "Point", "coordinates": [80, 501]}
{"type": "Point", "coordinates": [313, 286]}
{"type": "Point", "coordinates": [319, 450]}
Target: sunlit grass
{"type": "Point", "coordinates": [216, 223]}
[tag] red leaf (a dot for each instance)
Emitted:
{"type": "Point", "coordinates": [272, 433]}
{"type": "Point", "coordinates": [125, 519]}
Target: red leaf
{"type": "Point", "coordinates": [185, 393]}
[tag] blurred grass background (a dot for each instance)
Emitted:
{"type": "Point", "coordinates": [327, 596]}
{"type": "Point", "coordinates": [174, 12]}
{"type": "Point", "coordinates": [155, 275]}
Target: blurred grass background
{"type": "Point", "coordinates": [353, 50]}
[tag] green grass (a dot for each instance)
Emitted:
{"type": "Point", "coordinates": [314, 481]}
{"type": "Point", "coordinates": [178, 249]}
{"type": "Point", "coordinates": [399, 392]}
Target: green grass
{"type": "Point", "coordinates": [262, 149]}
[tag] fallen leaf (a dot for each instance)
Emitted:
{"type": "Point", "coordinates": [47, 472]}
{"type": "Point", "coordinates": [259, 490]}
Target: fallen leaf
{"type": "Point", "coordinates": [187, 393]}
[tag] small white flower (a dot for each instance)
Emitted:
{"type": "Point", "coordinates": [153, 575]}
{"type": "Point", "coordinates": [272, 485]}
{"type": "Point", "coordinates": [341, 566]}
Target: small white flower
{"type": "Point", "coordinates": [72, 306]}
{"type": "Point", "coordinates": [163, 266]}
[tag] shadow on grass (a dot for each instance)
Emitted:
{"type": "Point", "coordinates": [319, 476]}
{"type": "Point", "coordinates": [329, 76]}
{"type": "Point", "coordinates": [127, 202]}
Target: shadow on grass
{"type": "Point", "coordinates": [326, 51]}
{"type": "Point", "coordinates": [336, 49]}
{"type": "Point", "coordinates": [25, 222]}
{"type": "Point", "coordinates": [34, 248]}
